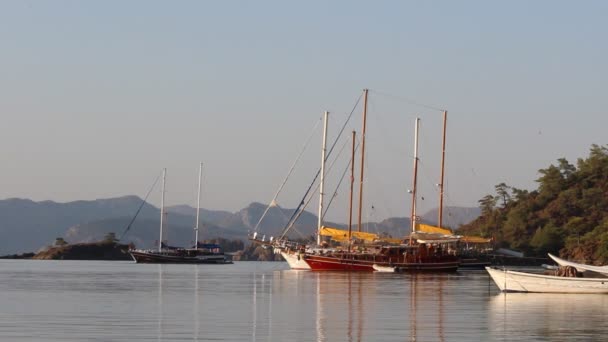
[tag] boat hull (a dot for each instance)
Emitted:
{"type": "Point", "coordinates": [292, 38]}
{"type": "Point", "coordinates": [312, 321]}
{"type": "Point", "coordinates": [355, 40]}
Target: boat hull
{"type": "Point", "coordinates": [511, 281]}
{"type": "Point", "coordinates": [145, 257]}
{"type": "Point", "coordinates": [295, 260]}
{"type": "Point", "coordinates": [336, 263]}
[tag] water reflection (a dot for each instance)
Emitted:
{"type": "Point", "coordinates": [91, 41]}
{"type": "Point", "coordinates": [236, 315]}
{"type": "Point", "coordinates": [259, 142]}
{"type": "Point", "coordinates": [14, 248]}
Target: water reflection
{"type": "Point", "coordinates": [159, 333]}
{"type": "Point", "coordinates": [432, 297]}
{"type": "Point", "coordinates": [195, 313]}
{"type": "Point", "coordinates": [359, 306]}
{"type": "Point", "coordinates": [113, 301]}
{"type": "Point", "coordinates": [554, 317]}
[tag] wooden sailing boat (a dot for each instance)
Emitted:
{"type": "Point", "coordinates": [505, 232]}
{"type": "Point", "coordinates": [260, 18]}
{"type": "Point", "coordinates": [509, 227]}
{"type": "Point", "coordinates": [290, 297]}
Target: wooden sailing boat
{"type": "Point", "coordinates": [198, 254]}
{"type": "Point", "coordinates": [411, 257]}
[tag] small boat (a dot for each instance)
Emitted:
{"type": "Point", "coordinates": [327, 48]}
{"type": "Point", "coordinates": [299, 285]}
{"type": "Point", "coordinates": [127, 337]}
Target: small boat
{"type": "Point", "coordinates": [204, 254]}
{"type": "Point", "coordinates": [580, 267]}
{"type": "Point", "coordinates": [199, 254]}
{"type": "Point", "coordinates": [512, 281]}
{"type": "Point", "coordinates": [385, 269]}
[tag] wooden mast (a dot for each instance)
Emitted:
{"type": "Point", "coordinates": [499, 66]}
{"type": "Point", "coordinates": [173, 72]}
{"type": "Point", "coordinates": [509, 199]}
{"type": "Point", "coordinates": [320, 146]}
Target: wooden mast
{"type": "Point", "coordinates": [352, 184]}
{"type": "Point", "coordinates": [162, 211]}
{"type": "Point", "coordinates": [323, 157]}
{"type": "Point", "coordinates": [365, 91]}
{"type": "Point", "coordinates": [198, 205]}
{"type": "Point", "coordinates": [445, 119]}
{"type": "Point", "coordinates": [413, 214]}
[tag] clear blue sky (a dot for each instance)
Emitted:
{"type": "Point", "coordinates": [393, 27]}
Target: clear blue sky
{"type": "Point", "coordinates": [97, 97]}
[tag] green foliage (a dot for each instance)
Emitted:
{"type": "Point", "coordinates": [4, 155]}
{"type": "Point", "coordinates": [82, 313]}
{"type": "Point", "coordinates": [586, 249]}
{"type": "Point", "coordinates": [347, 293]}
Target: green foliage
{"type": "Point", "coordinates": [502, 190]}
{"type": "Point", "coordinates": [567, 214]}
{"type": "Point", "coordinates": [487, 204]}
{"type": "Point", "coordinates": [548, 239]}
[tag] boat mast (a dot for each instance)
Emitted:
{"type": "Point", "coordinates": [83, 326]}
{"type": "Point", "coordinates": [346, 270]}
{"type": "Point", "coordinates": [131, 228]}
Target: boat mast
{"type": "Point", "coordinates": [413, 214]}
{"type": "Point", "coordinates": [445, 119]}
{"type": "Point", "coordinates": [365, 91]}
{"type": "Point", "coordinates": [198, 205]}
{"type": "Point", "coordinates": [352, 184]}
{"type": "Point", "coordinates": [323, 153]}
{"type": "Point", "coordinates": [162, 210]}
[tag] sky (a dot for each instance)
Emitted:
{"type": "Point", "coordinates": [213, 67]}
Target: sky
{"type": "Point", "coordinates": [97, 97]}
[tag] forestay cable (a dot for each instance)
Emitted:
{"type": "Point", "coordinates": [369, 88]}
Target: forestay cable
{"type": "Point", "coordinates": [139, 209]}
{"type": "Point", "coordinates": [295, 212]}
{"type": "Point", "coordinates": [293, 166]}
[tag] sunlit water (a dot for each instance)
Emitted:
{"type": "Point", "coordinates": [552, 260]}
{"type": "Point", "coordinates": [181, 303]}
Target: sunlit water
{"type": "Point", "coordinates": [251, 301]}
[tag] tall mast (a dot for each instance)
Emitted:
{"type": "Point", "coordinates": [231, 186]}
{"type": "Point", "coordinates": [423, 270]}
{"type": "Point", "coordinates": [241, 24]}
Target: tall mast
{"type": "Point", "coordinates": [413, 214]}
{"type": "Point", "coordinates": [323, 153]}
{"type": "Point", "coordinates": [445, 119]}
{"type": "Point", "coordinates": [365, 91]}
{"type": "Point", "coordinates": [162, 210]}
{"type": "Point", "coordinates": [352, 184]}
{"type": "Point", "coordinates": [198, 205]}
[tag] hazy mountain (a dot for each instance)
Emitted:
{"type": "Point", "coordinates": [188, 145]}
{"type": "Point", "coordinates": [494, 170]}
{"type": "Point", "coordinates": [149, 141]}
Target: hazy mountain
{"type": "Point", "coordinates": [27, 225]}
{"type": "Point", "coordinates": [144, 233]}
{"type": "Point", "coordinates": [205, 215]}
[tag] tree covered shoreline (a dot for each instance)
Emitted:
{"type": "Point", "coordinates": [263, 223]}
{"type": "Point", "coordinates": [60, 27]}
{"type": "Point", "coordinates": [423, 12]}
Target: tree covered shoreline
{"type": "Point", "coordinates": [567, 214]}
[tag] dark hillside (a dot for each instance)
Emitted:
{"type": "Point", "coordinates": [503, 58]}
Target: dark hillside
{"type": "Point", "coordinates": [567, 214]}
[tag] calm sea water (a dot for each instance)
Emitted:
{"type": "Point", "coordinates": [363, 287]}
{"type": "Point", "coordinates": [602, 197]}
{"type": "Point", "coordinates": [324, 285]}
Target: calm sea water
{"type": "Point", "coordinates": [251, 301]}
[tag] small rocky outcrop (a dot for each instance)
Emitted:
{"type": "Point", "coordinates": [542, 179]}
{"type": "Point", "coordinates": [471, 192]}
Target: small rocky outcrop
{"type": "Point", "coordinates": [86, 251]}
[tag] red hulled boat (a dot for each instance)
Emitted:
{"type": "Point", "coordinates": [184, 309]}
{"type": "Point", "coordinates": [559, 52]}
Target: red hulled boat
{"type": "Point", "coordinates": [398, 258]}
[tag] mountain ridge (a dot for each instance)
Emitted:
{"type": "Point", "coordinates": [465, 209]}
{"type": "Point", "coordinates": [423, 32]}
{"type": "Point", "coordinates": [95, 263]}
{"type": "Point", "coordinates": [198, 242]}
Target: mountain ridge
{"type": "Point", "coordinates": [28, 225]}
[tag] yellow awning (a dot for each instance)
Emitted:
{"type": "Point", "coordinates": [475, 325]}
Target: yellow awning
{"type": "Point", "coordinates": [432, 229]}
{"type": "Point", "coordinates": [342, 235]}
{"type": "Point", "coordinates": [475, 239]}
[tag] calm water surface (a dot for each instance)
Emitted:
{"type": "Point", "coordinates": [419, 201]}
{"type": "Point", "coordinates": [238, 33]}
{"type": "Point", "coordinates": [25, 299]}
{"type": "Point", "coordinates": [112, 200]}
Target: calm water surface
{"type": "Point", "coordinates": [251, 301]}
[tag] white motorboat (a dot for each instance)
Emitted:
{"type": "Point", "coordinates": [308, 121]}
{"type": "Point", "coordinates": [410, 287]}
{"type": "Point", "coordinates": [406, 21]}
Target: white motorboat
{"type": "Point", "coordinates": [512, 281]}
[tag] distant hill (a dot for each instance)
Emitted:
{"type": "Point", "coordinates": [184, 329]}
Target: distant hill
{"type": "Point", "coordinates": [27, 226]}
{"type": "Point", "coordinates": [205, 215]}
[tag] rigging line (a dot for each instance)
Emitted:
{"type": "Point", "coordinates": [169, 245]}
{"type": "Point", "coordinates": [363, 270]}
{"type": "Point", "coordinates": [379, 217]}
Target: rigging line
{"type": "Point", "coordinates": [404, 99]}
{"type": "Point", "coordinates": [295, 212]}
{"type": "Point", "coordinates": [300, 233]}
{"type": "Point", "coordinates": [139, 209]}
{"type": "Point", "coordinates": [293, 166]}
{"type": "Point", "coordinates": [305, 205]}
{"type": "Point", "coordinates": [335, 194]}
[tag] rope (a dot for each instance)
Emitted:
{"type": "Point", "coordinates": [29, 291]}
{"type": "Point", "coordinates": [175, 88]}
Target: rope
{"type": "Point", "coordinates": [139, 209]}
{"type": "Point", "coordinates": [295, 212]}
{"type": "Point", "coordinates": [412, 102]}
{"type": "Point", "coordinates": [335, 194]}
{"type": "Point", "coordinates": [305, 201]}
{"type": "Point", "coordinates": [255, 229]}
